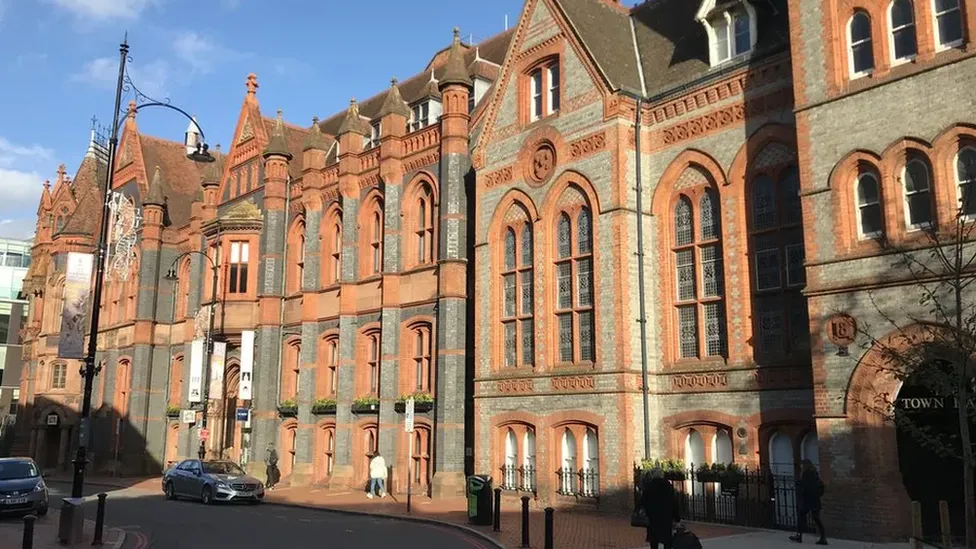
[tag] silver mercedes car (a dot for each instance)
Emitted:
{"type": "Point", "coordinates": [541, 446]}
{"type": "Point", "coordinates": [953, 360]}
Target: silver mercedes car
{"type": "Point", "coordinates": [210, 481]}
{"type": "Point", "coordinates": [22, 489]}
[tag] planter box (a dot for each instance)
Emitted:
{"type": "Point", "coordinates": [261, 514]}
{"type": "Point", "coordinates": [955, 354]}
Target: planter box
{"type": "Point", "coordinates": [324, 410]}
{"type": "Point", "coordinates": [675, 476]}
{"type": "Point", "coordinates": [288, 411]}
{"type": "Point", "coordinates": [365, 408]}
{"type": "Point", "coordinates": [418, 407]}
{"type": "Point", "coordinates": [707, 477]}
{"type": "Point", "coordinates": [172, 414]}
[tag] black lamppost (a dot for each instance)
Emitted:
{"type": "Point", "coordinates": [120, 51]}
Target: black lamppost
{"type": "Point", "coordinates": [198, 153]}
{"type": "Point", "coordinates": [208, 350]}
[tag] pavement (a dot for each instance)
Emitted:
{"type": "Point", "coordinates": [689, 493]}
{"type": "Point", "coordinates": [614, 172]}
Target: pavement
{"type": "Point", "coordinates": [46, 527]}
{"type": "Point", "coordinates": [307, 516]}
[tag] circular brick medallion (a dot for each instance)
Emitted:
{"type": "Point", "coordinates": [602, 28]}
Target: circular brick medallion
{"type": "Point", "coordinates": [542, 163]}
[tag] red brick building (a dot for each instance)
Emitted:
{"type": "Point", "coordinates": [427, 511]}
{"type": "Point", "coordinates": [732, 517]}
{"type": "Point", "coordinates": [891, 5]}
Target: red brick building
{"type": "Point", "coordinates": [470, 235]}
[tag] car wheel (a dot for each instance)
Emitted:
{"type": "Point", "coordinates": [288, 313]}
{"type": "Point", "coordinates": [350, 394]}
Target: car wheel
{"type": "Point", "coordinates": [41, 510]}
{"type": "Point", "coordinates": [206, 496]}
{"type": "Point", "coordinates": [170, 490]}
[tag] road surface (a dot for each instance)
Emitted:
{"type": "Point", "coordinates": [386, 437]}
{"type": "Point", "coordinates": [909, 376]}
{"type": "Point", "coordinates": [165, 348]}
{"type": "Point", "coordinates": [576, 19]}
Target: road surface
{"type": "Point", "coordinates": [152, 522]}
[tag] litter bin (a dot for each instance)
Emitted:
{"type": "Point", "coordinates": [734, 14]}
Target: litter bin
{"type": "Point", "coordinates": [479, 500]}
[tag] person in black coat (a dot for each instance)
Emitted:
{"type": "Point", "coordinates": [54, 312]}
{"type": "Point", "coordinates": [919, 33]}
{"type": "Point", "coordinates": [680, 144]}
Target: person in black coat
{"type": "Point", "coordinates": [661, 508]}
{"type": "Point", "coordinates": [272, 468]}
{"type": "Point", "coordinates": [809, 490]}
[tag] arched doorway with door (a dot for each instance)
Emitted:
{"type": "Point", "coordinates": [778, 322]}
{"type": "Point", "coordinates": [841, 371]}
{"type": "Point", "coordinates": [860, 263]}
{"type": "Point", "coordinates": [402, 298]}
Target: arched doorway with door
{"type": "Point", "coordinates": [926, 419]}
{"type": "Point", "coordinates": [782, 469]}
{"type": "Point", "coordinates": [230, 435]}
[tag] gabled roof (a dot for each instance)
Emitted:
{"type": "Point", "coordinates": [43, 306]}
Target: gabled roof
{"type": "Point", "coordinates": [673, 45]}
{"type": "Point", "coordinates": [605, 32]}
{"type": "Point", "coordinates": [88, 187]}
{"type": "Point", "coordinates": [417, 87]}
{"type": "Point", "coordinates": [181, 177]}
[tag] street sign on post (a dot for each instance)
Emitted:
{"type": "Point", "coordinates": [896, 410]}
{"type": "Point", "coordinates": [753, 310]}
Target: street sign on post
{"type": "Point", "coordinates": [408, 416]}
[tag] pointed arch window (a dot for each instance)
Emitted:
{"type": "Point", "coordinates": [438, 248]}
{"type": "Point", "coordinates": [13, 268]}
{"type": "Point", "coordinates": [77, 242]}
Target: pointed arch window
{"type": "Point", "coordinates": [420, 457]}
{"type": "Point", "coordinates": [699, 280]}
{"type": "Point", "coordinates": [183, 289]}
{"type": "Point", "coordinates": [296, 260]}
{"type": "Point", "coordinates": [966, 180]}
{"type": "Point", "coordinates": [918, 194]}
{"type": "Point", "coordinates": [424, 224]}
{"type": "Point", "coordinates": [332, 240]}
{"type": "Point", "coordinates": [870, 217]}
{"type": "Point", "coordinates": [860, 54]}
{"type": "Point", "coordinates": [576, 339]}
{"type": "Point", "coordinates": [902, 20]}
{"type": "Point", "coordinates": [331, 383]}
{"type": "Point", "coordinates": [776, 238]}
{"type": "Point", "coordinates": [329, 450]}
{"type": "Point", "coordinates": [422, 358]}
{"type": "Point", "coordinates": [371, 351]}
{"type": "Point", "coordinates": [292, 365]}
{"type": "Point", "coordinates": [543, 84]}
{"type": "Point", "coordinates": [518, 295]}
{"type": "Point", "coordinates": [376, 242]}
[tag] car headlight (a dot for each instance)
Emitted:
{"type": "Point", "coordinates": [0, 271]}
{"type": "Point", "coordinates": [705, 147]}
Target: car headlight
{"type": "Point", "coordinates": [222, 484]}
{"type": "Point", "coordinates": [39, 486]}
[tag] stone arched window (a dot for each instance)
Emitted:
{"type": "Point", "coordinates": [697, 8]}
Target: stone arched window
{"type": "Point", "coordinates": [948, 24]}
{"type": "Point", "coordinates": [332, 246]}
{"type": "Point", "coordinates": [330, 450]}
{"type": "Point", "coordinates": [422, 344]}
{"type": "Point", "coordinates": [579, 460]}
{"type": "Point", "coordinates": [518, 457]}
{"type": "Point", "coordinates": [698, 270]}
{"type": "Point", "coordinates": [573, 273]}
{"type": "Point", "coordinates": [901, 27]}
{"type": "Point", "coordinates": [370, 445]}
{"type": "Point", "coordinates": [327, 380]}
{"type": "Point", "coordinates": [781, 327]}
{"type": "Point", "coordinates": [295, 266]}
{"type": "Point", "coordinates": [291, 369]}
{"type": "Point", "coordinates": [370, 357]}
{"type": "Point", "coordinates": [870, 211]}
{"type": "Point", "coordinates": [421, 214]}
{"type": "Point", "coordinates": [517, 283]}
{"type": "Point", "coordinates": [175, 381]}
{"type": "Point", "coordinates": [859, 49]}
{"type": "Point", "coordinates": [966, 180]}
{"type": "Point", "coordinates": [183, 283]}
{"type": "Point", "coordinates": [371, 238]}
{"type": "Point", "coordinates": [919, 198]}
{"type": "Point", "coordinates": [420, 453]}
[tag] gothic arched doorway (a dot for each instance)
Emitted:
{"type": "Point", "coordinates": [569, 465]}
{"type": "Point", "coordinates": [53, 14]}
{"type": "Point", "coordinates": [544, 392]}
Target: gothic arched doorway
{"type": "Point", "coordinates": [929, 448]}
{"type": "Point", "coordinates": [230, 436]}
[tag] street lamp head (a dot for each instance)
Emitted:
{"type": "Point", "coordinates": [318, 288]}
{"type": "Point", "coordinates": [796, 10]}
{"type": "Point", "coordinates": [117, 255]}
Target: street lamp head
{"type": "Point", "coordinates": [201, 154]}
{"type": "Point", "coordinates": [171, 274]}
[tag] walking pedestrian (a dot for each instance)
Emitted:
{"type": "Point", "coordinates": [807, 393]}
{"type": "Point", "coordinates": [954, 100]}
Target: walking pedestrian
{"type": "Point", "coordinates": [274, 475]}
{"type": "Point", "coordinates": [810, 489]}
{"type": "Point", "coordinates": [661, 508]}
{"type": "Point", "coordinates": [377, 476]}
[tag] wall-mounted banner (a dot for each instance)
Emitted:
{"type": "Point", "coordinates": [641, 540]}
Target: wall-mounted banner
{"type": "Point", "coordinates": [77, 287]}
{"type": "Point", "coordinates": [196, 371]}
{"type": "Point", "coordinates": [217, 370]}
{"type": "Point", "coordinates": [247, 364]}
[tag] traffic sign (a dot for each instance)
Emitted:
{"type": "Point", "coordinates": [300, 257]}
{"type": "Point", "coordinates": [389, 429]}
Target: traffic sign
{"type": "Point", "coordinates": [204, 434]}
{"type": "Point", "coordinates": [242, 414]}
{"type": "Point", "coordinates": [408, 416]}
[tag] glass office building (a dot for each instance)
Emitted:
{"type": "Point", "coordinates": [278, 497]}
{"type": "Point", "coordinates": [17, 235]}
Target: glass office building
{"type": "Point", "coordinates": [14, 261]}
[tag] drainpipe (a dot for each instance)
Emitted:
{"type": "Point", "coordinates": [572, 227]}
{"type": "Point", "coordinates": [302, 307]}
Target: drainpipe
{"type": "Point", "coordinates": [642, 318]}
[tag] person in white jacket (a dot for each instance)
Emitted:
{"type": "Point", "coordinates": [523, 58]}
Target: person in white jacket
{"type": "Point", "coordinates": [377, 476]}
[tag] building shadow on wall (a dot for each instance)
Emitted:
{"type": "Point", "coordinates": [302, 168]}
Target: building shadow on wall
{"type": "Point", "coordinates": [48, 431]}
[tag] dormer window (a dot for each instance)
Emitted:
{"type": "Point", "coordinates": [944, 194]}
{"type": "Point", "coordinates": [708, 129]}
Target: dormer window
{"type": "Point", "coordinates": [544, 90]}
{"type": "Point", "coordinates": [732, 32]}
{"type": "Point", "coordinates": [374, 136]}
{"type": "Point", "coordinates": [419, 116]}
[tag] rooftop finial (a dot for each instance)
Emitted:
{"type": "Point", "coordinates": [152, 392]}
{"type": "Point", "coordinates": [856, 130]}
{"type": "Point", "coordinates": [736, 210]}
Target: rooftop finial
{"type": "Point", "coordinates": [279, 114]}
{"type": "Point", "coordinates": [131, 113]}
{"type": "Point", "coordinates": [47, 184]}
{"type": "Point", "coordinates": [61, 172]}
{"type": "Point", "coordinates": [457, 34]}
{"type": "Point", "coordinates": [315, 121]}
{"type": "Point", "coordinates": [352, 101]}
{"type": "Point", "coordinates": [393, 81]}
{"type": "Point", "coordinates": [252, 83]}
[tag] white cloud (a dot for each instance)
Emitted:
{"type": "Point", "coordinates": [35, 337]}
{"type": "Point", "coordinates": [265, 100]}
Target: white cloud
{"type": "Point", "coordinates": [21, 193]}
{"type": "Point", "coordinates": [201, 53]}
{"type": "Point", "coordinates": [105, 9]}
{"type": "Point", "coordinates": [12, 152]}
{"type": "Point", "coordinates": [151, 78]}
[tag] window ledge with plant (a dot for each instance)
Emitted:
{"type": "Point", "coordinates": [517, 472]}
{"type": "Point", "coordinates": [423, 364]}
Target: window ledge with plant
{"type": "Point", "coordinates": [324, 406]}
{"type": "Point", "coordinates": [673, 469]}
{"type": "Point", "coordinates": [366, 404]}
{"type": "Point", "coordinates": [422, 402]}
{"type": "Point", "coordinates": [288, 408]}
{"type": "Point", "coordinates": [172, 411]}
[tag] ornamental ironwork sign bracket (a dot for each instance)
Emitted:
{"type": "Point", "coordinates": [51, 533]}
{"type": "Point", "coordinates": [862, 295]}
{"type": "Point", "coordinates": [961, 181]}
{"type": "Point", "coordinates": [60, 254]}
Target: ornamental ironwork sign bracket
{"type": "Point", "coordinates": [126, 220]}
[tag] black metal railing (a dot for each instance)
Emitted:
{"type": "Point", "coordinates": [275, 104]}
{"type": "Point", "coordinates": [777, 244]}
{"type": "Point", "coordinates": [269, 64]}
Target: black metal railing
{"type": "Point", "coordinates": [518, 479]}
{"type": "Point", "coordinates": [583, 483]}
{"type": "Point", "coordinates": [750, 497]}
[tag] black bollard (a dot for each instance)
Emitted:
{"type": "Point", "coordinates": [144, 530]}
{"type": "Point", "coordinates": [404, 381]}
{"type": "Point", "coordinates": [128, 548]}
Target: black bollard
{"type": "Point", "coordinates": [525, 521]}
{"type": "Point", "coordinates": [498, 510]}
{"type": "Point", "coordinates": [549, 511]}
{"type": "Point", "coordinates": [29, 532]}
{"type": "Point", "coordinates": [99, 519]}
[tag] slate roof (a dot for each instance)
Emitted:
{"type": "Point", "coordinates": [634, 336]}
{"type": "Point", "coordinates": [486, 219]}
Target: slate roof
{"type": "Point", "coordinates": [295, 138]}
{"type": "Point", "coordinates": [181, 177]}
{"type": "Point", "coordinates": [489, 53]}
{"type": "Point", "coordinates": [87, 188]}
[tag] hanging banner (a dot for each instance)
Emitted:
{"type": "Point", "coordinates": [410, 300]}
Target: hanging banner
{"type": "Point", "coordinates": [196, 371]}
{"type": "Point", "coordinates": [77, 288]}
{"type": "Point", "coordinates": [217, 370]}
{"type": "Point", "coordinates": [247, 364]}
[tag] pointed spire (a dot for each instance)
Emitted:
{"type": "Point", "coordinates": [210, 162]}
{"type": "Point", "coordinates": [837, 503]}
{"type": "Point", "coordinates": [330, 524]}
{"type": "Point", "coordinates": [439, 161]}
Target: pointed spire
{"type": "Point", "coordinates": [155, 196]}
{"type": "Point", "coordinates": [316, 139]}
{"type": "Point", "coordinates": [455, 72]}
{"type": "Point", "coordinates": [277, 146]}
{"type": "Point", "coordinates": [394, 103]}
{"type": "Point", "coordinates": [353, 122]}
{"type": "Point", "coordinates": [62, 171]}
{"type": "Point", "coordinates": [45, 197]}
{"type": "Point", "coordinates": [214, 170]}
{"type": "Point", "coordinates": [252, 84]}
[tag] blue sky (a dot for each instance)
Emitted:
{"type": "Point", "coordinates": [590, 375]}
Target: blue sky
{"type": "Point", "coordinates": [60, 59]}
